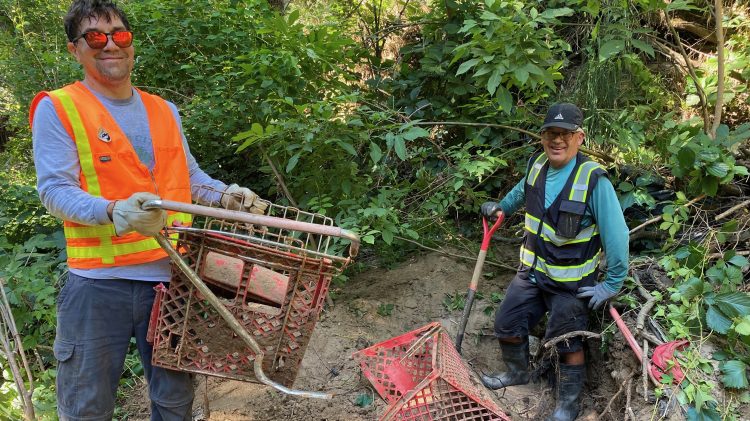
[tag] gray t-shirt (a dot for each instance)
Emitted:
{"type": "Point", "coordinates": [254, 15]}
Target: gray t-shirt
{"type": "Point", "coordinates": [58, 170]}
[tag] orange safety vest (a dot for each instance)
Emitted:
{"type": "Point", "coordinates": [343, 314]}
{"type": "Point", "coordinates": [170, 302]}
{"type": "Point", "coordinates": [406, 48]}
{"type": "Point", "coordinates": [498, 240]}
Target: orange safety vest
{"type": "Point", "coordinates": [111, 169]}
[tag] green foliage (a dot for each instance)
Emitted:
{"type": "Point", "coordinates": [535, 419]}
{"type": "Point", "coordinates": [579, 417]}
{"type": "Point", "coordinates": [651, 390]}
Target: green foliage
{"type": "Point", "coordinates": [511, 47]}
{"type": "Point", "coordinates": [703, 162]}
{"type": "Point", "coordinates": [385, 310]}
{"type": "Point", "coordinates": [454, 302]}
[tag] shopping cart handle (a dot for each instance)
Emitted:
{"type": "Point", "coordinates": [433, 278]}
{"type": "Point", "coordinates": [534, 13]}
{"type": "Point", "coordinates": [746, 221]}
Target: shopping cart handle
{"type": "Point", "coordinates": [250, 218]}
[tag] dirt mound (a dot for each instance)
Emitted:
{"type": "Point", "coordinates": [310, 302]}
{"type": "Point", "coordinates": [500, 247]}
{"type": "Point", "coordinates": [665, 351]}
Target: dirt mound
{"type": "Point", "coordinates": [379, 304]}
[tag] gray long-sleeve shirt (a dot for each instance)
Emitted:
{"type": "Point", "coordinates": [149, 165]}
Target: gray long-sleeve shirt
{"type": "Point", "coordinates": [58, 175]}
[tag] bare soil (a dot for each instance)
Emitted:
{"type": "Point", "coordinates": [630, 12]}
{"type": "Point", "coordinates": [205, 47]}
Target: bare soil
{"type": "Point", "coordinates": [417, 289]}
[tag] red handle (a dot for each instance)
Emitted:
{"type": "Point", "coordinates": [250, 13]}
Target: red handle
{"type": "Point", "coordinates": [488, 232]}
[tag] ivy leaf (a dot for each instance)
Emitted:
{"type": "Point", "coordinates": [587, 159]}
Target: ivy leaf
{"type": "Point", "coordinates": [734, 374]}
{"type": "Point", "coordinates": [717, 321]}
{"type": "Point", "coordinates": [734, 304]}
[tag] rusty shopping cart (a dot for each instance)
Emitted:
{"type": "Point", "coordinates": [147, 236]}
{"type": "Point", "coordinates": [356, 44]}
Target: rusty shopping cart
{"type": "Point", "coordinates": [246, 291]}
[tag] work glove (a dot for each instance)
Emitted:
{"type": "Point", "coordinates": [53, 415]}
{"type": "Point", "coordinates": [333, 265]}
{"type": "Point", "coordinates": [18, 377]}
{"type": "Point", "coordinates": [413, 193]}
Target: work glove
{"type": "Point", "coordinates": [490, 210]}
{"type": "Point", "coordinates": [244, 199]}
{"type": "Point", "coordinates": [128, 216]}
{"type": "Point", "coordinates": [599, 295]}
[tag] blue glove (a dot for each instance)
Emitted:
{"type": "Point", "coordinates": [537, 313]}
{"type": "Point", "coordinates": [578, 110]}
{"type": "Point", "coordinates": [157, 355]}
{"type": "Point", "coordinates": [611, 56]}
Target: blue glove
{"type": "Point", "coordinates": [490, 209]}
{"type": "Point", "coordinates": [599, 295]}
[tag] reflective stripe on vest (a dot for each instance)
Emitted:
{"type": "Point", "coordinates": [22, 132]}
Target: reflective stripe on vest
{"type": "Point", "coordinates": [82, 142]}
{"type": "Point", "coordinates": [548, 233]}
{"type": "Point", "coordinates": [560, 273]}
{"type": "Point", "coordinates": [536, 169]}
{"type": "Point", "coordinates": [580, 188]}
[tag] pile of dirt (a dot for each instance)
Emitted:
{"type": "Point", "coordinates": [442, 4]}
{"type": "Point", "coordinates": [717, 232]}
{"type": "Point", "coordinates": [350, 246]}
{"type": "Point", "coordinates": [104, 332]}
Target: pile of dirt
{"type": "Point", "coordinates": [417, 290]}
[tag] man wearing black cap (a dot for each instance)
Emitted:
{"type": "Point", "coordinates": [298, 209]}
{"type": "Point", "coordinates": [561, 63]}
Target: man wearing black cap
{"type": "Point", "coordinates": [572, 214]}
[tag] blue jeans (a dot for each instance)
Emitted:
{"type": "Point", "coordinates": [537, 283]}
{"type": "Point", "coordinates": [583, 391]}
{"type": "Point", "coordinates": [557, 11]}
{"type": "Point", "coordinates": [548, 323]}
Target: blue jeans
{"type": "Point", "coordinates": [95, 320]}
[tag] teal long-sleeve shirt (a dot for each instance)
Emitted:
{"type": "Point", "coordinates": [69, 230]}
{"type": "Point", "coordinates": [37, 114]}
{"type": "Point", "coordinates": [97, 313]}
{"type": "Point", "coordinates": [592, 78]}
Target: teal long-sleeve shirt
{"type": "Point", "coordinates": [604, 208]}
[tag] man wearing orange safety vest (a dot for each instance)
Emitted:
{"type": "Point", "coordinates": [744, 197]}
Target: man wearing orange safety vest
{"type": "Point", "coordinates": [101, 149]}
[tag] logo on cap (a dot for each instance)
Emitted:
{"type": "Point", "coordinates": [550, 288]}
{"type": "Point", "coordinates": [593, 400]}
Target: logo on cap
{"type": "Point", "coordinates": [559, 116]}
{"type": "Point", "coordinates": [103, 135]}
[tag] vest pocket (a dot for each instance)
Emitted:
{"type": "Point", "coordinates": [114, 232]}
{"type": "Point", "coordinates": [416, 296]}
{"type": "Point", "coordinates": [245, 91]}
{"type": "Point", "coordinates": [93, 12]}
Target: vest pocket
{"type": "Point", "coordinates": [569, 218]}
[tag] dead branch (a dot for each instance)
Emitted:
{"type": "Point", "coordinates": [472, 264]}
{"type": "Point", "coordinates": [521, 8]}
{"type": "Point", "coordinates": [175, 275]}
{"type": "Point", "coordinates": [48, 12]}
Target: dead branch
{"type": "Point", "coordinates": [693, 75]}
{"type": "Point", "coordinates": [659, 218]}
{"type": "Point", "coordinates": [463, 123]}
{"type": "Point", "coordinates": [719, 15]}
{"type": "Point", "coordinates": [695, 29]}
{"type": "Point", "coordinates": [646, 308]}
{"type": "Point", "coordinates": [558, 339]}
{"type": "Point", "coordinates": [458, 256]}
{"type": "Point", "coordinates": [741, 205]}
{"type": "Point", "coordinates": [714, 256]}
{"type": "Point", "coordinates": [628, 393]}
{"type": "Point", "coordinates": [279, 179]}
{"type": "Point", "coordinates": [8, 323]}
{"type": "Point", "coordinates": [608, 408]}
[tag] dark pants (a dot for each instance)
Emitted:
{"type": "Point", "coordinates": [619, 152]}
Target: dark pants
{"type": "Point", "coordinates": [525, 304]}
{"type": "Point", "coordinates": [95, 320]}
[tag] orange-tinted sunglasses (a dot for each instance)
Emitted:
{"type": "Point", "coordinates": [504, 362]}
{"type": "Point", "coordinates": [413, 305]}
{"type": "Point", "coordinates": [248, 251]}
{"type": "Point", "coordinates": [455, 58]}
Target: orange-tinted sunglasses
{"type": "Point", "coordinates": [98, 40]}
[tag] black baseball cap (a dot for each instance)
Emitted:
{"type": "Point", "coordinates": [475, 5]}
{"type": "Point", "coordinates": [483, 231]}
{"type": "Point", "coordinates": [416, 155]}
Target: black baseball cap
{"type": "Point", "coordinates": [563, 115]}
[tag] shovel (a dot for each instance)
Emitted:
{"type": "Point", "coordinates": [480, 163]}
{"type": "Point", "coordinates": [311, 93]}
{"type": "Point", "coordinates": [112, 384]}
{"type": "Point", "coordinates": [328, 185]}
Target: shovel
{"type": "Point", "coordinates": [475, 278]}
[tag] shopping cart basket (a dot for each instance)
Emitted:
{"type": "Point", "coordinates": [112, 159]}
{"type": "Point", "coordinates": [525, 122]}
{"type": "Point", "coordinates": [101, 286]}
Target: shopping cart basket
{"type": "Point", "coordinates": [246, 291]}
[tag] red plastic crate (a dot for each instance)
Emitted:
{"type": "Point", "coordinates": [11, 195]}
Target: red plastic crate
{"type": "Point", "coordinates": [423, 377]}
{"type": "Point", "coordinates": [273, 281]}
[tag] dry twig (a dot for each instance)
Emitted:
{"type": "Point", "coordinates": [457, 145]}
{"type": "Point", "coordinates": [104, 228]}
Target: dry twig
{"type": "Point", "coordinates": [608, 408]}
{"type": "Point", "coordinates": [741, 205]}
{"type": "Point", "coordinates": [557, 339]}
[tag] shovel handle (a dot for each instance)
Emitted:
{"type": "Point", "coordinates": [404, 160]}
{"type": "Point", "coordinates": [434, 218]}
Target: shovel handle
{"type": "Point", "coordinates": [488, 231]}
{"type": "Point", "coordinates": [250, 218]}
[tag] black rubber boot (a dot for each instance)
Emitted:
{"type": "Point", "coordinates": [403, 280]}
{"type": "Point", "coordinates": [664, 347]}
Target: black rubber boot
{"type": "Point", "coordinates": [516, 358]}
{"type": "Point", "coordinates": [569, 392]}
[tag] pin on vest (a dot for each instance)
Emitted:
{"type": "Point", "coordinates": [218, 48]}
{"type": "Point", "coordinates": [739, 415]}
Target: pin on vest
{"type": "Point", "coordinates": [103, 135]}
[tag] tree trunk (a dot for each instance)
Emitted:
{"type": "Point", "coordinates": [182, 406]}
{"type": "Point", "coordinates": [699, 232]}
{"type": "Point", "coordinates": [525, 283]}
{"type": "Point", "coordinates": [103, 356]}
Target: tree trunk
{"type": "Point", "coordinates": [279, 5]}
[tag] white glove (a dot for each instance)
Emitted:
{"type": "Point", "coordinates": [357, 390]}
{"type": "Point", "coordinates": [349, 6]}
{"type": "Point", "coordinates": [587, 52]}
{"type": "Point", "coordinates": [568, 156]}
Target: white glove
{"type": "Point", "coordinates": [242, 198]}
{"type": "Point", "coordinates": [128, 216]}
